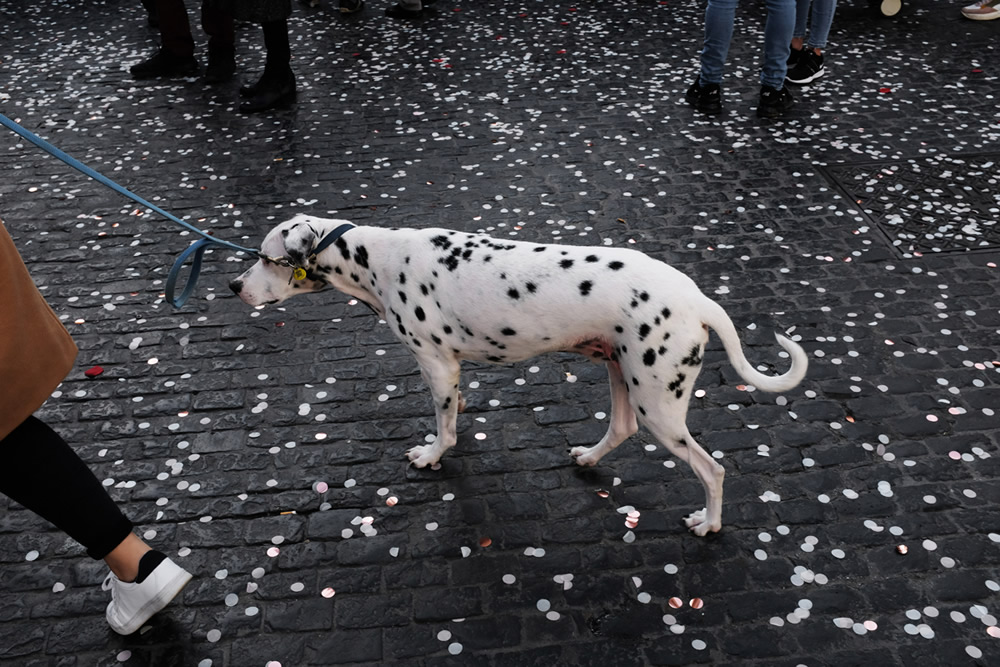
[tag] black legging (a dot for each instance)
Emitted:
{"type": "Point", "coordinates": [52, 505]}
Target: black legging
{"type": "Point", "coordinates": [42, 472]}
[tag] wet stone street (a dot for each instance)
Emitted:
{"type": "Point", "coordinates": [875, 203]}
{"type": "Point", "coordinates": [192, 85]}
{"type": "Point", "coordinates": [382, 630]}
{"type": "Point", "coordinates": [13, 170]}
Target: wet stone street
{"type": "Point", "coordinates": [264, 449]}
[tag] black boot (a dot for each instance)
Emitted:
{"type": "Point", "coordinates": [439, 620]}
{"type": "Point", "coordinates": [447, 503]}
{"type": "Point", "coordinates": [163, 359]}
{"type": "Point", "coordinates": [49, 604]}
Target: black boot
{"type": "Point", "coordinates": [221, 65]}
{"type": "Point", "coordinates": [272, 91]}
{"type": "Point", "coordinates": [165, 64]}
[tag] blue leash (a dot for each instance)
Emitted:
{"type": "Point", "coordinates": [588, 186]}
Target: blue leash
{"type": "Point", "coordinates": [195, 250]}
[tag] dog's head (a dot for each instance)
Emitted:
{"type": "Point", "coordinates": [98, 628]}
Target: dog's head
{"type": "Point", "coordinates": [269, 281]}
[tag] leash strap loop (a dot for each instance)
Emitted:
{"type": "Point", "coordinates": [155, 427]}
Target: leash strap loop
{"type": "Point", "coordinates": [198, 248]}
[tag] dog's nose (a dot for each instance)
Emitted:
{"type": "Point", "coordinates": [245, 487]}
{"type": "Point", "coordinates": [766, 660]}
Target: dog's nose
{"type": "Point", "coordinates": [236, 285]}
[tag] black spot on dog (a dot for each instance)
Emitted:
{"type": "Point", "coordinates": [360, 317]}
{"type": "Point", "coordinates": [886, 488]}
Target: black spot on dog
{"type": "Point", "coordinates": [624, 349]}
{"type": "Point", "coordinates": [642, 411]}
{"type": "Point", "coordinates": [342, 246]}
{"type": "Point", "coordinates": [507, 331]}
{"type": "Point", "coordinates": [447, 329]}
{"type": "Point", "coordinates": [644, 296]}
{"type": "Point", "coordinates": [355, 278]}
{"type": "Point", "coordinates": [591, 258]}
{"type": "Point", "coordinates": [495, 360]}
{"type": "Point", "coordinates": [419, 312]}
{"type": "Point", "coordinates": [513, 293]}
{"type": "Point", "coordinates": [441, 242]}
{"type": "Point", "coordinates": [585, 287]}
{"type": "Point", "coordinates": [635, 381]}
{"type": "Point", "coordinates": [402, 278]}
{"type": "Point", "coordinates": [665, 312]}
{"type": "Point", "coordinates": [361, 256]}
{"type": "Point", "coordinates": [402, 296]}
{"type": "Point", "coordinates": [662, 350]}
{"type": "Point", "coordinates": [619, 328]}
{"type": "Point", "coordinates": [530, 287]}
{"type": "Point", "coordinates": [402, 329]}
{"type": "Point", "coordinates": [566, 263]}
{"type": "Point", "coordinates": [616, 265]}
{"type": "Point", "coordinates": [677, 382]}
{"type": "Point", "coordinates": [284, 232]}
{"type": "Point", "coordinates": [437, 341]}
{"type": "Point", "coordinates": [693, 358]}
{"type": "Point", "coordinates": [540, 248]}
{"type": "Point", "coordinates": [338, 270]}
{"type": "Point", "coordinates": [644, 331]}
{"type": "Point", "coordinates": [424, 290]}
{"type": "Point", "coordinates": [649, 357]}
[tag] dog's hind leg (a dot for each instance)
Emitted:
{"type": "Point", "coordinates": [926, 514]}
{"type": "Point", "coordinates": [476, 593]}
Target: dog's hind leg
{"type": "Point", "coordinates": [664, 415]}
{"type": "Point", "coordinates": [441, 375]}
{"type": "Point", "coordinates": [622, 425]}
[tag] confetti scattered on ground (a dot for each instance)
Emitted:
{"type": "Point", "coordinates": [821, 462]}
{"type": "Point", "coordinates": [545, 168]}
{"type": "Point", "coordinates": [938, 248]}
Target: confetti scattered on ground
{"type": "Point", "coordinates": [265, 448]}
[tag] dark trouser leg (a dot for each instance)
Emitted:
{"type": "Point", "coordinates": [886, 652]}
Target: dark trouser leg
{"type": "Point", "coordinates": [221, 44]}
{"type": "Point", "coordinates": [175, 30]}
{"type": "Point", "coordinates": [42, 472]}
{"type": "Point", "coordinates": [279, 52]}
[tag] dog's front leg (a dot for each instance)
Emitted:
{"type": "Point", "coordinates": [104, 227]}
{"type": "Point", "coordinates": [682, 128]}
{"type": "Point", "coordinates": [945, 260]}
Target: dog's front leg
{"type": "Point", "coordinates": [441, 375]}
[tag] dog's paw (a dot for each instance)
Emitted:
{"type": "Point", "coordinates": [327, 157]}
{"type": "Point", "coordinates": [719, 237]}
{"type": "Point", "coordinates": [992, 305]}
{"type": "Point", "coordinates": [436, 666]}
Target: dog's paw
{"type": "Point", "coordinates": [584, 456]}
{"type": "Point", "coordinates": [422, 456]}
{"type": "Point", "coordinates": [700, 525]}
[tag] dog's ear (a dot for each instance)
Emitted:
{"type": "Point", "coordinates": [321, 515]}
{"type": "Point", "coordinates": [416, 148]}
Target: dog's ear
{"type": "Point", "coordinates": [299, 240]}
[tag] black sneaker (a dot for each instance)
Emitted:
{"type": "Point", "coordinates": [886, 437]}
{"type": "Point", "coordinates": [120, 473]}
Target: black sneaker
{"type": "Point", "coordinates": [793, 56]}
{"type": "Point", "coordinates": [774, 102]}
{"type": "Point", "coordinates": [398, 11]}
{"type": "Point", "coordinates": [351, 6]}
{"type": "Point", "coordinates": [164, 64]}
{"type": "Point", "coordinates": [808, 68]}
{"type": "Point", "coordinates": [706, 99]}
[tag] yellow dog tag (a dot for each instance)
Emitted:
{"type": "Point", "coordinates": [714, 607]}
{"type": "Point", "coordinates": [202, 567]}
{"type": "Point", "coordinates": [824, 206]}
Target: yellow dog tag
{"type": "Point", "coordinates": [299, 273]}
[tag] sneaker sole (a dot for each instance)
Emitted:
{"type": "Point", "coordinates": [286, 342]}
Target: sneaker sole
{"type": "Point", "coordinates": [808, 79]}
{"type": "Point", "coordinates": [981, 17]}
{"type": "Point", "coordinates": [155, 604]}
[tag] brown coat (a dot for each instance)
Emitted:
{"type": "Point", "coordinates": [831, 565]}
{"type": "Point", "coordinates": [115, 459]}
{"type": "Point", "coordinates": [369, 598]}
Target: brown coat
{"type": "Point", "coordinates": [36, 351]}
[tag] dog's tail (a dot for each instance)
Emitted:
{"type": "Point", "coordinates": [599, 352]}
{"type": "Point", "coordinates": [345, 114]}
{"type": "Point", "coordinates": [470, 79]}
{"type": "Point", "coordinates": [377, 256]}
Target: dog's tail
{"type": "Point", "coordinates": [715, 317]}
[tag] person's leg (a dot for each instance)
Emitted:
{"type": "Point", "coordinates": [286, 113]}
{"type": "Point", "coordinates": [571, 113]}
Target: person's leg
{"type": "Point", "coordinates": [42, 473]}
{"type": "Point", "coordinates": [801, 19]}
{"type": "Point", "coordinates": [220, 28]}
{"type": "Point", "coordinates": [175, 30]}
{"type": "Point", "coordinates": [175, 57]}
{"type": "Point", "coordinates": [276, 86]}
{"type": "Point", "coordinates": [777, 37]}
{"type": "Point", "coordinates": [719, 18]}
{"type": "Point", "coordinates": [820, 23]}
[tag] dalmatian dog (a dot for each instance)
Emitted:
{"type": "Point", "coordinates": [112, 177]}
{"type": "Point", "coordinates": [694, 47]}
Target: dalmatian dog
{"type": "Point", "coordinates": [452, 295]}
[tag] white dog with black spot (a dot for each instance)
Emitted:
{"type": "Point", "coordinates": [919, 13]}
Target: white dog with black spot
{"type": "Point", "coordinates": [451, 296]}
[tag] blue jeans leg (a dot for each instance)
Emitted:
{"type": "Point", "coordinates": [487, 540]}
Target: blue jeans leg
{"type": "Point", "coordinates": [719, 17]}
{"type": "Point", "coordinates": [777, 37]}
{"type": "Point", "coordinates": [820, 22]}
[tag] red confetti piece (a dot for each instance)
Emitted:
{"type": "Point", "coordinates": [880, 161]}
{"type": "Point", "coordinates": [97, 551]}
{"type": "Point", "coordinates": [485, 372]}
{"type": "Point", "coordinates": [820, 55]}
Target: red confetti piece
{"type": "Point", "coordinates": [885, 90]}
{"type": "Point", "coordinates": [94, 371]}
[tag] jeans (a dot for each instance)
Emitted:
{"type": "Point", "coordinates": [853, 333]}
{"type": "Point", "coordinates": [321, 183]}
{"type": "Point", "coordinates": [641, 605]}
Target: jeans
{"type": "Point", "coordinates": [719, 17]}
{"type": "Point", "coordinates": [819, 23]}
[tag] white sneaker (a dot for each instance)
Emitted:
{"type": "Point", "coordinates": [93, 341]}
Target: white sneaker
{"type": "Point", "coordinates": [985, 10]}
{"type": "Point", "coordinates": [132, 604]}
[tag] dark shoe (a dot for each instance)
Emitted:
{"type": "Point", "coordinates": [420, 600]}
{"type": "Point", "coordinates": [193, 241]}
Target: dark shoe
{"type": "Point", "coordinates": [793, 56]}
{"type": "Point", "coordinates": [808, 68]}
{"type": "Point", "coordinates": [351, 6]}
{"type": "Point", "coordinates": [400, 12]}
{"type": "Point", "coordinates": [774, 102]}
{"type": "Point", "coordinates": [165, 64]}
{"type": "Point", "coordinates": [221, 67]}
{"type": "Point", "coordinates": [706, 99]}
{"type": "Point", "coordinates": [270, 93]}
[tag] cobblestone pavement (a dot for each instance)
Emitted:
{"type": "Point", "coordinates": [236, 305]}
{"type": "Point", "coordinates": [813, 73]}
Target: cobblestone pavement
{"type": "Point", "coordinates": [263, 448]}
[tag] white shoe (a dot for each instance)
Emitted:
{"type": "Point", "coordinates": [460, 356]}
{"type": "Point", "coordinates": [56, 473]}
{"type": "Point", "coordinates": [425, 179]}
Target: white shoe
{"type": "Point", "coordinates": [133, 604]}
{"type": "Point", "coordinates": [985, 10]}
